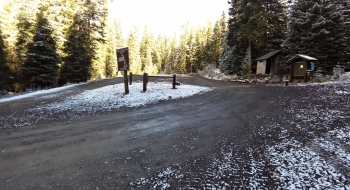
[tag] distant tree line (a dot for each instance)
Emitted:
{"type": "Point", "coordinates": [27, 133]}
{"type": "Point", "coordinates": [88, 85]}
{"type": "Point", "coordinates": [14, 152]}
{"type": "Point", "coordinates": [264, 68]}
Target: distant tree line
{"type": "Point", "coordinates": [48, 43]}
{"type": "Point", "coordinates": [318, 28]}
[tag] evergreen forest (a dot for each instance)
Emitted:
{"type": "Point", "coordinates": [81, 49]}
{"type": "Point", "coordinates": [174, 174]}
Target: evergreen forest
{"type": "Point", "coordinates": [317, 28]}
{"type": "Point", "coordinates": [49, 43]}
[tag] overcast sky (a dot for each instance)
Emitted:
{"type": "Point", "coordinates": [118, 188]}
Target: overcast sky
{"type": "Point", "coordinates": [166, 16]}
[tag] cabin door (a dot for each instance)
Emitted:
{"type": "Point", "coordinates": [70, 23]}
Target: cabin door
{"type": "Point", "coordinates": [299, 69]}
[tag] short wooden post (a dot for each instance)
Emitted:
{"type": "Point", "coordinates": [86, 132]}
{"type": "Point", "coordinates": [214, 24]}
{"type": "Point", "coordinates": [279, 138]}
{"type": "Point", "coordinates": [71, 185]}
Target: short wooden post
{"type": "Point", "coordinates": [126, 82]}
{"type": "Point", "coordinates": [145, 80]}
{"type": "Point", "coordinates": [174, 81]}
{"type": "Point", "coordinates": [130, 78]}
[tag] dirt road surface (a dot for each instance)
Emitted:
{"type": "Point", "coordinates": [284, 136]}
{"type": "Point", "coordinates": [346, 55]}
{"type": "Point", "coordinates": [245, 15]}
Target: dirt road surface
{"type": "Point", "coordinates": [170, 144]}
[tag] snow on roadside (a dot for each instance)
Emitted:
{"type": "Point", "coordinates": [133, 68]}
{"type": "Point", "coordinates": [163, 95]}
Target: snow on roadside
{"type": "Point", "coordinates": [216, 74]}
{"type": "Point", "coordinates": [32, 94]}
{"type": "Point", "coordinates": [105, 99]}
{"type": "Point", "coordinates": [299, 167]}
{"type": "Point", "coordinates": [310, 150]}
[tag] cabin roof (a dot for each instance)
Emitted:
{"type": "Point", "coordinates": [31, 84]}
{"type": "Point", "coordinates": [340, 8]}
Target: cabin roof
{"type": "Point", "coordinates": [303, 57]}
{"type": "Point", "coordinates": [268, 55]}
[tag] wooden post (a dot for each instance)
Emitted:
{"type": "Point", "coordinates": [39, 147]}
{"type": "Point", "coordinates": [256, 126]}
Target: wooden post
{"type": "Point", "coordinates": [126, 82]}
{"type": "Point", "coordinates": [145, 80]}
{"type": "Point", "coordinates": [130, 78]}
{"type": "Point", "coordinates": [291, 72]}
{"type": "Point", "coordinates": [174, 81]}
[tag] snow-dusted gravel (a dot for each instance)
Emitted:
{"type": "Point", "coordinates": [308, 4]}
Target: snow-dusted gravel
{"type": "Point", "coordinates": [113, 97]}
{"type": "Point", "coordinates": [310, 150]}
{"type": "Point", "coordinates": [39, 92]}
{"type": "Point", "coordinates": [306, 145]}
{"type": "Point", "coordinates": [96, 101]}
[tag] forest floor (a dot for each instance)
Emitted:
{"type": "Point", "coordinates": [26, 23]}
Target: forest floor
{"type": "Point", "coordinates": [236, 136]}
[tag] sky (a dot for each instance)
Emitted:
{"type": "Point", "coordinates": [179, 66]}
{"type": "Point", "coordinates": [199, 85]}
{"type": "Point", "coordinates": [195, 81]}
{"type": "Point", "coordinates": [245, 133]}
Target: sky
{"type": "Point", "coordinates": [166, 16]}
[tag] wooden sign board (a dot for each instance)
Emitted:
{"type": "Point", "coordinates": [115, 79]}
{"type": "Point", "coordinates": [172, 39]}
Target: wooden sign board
{"type": "Point", "coordinates": [123, 59]}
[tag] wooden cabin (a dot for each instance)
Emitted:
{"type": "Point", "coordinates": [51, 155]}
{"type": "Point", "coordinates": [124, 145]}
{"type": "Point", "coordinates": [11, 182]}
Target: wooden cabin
{"type": "Point", "coordinates": [269, 63]}
{"type": "Point", "coordinates": [300, 67]}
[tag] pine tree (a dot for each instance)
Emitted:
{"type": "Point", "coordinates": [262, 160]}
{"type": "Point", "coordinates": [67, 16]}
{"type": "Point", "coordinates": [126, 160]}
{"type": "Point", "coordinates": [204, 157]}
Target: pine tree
{"type": "Point", "coordinates": [200, 50]}
{"type": "Point", "coordinates": [317, 30]}
{"type": "Point", "coordinates": [255, 27]}
{"type": "Point", "coordinates": [163, 44]}
{"type": "Point", "coordinates": [344, 8]}
{"type": "Point", "coordinates": [18, 19]}
{"type": "Point", "coordinates": [78, 63]}
{"type": "Point", "coordinates": [191, 50]}
{"type": "Point", "coordinates": [218, 38]}
{"type": "Point", "coordinates": [9, 33]}
{"type": "Point", "coordinates": [96, 14]}
{"type": "Point", "coordinates": [134, 51]}
{"type": "Point", "coordinates": [161, 47]}
{"type": "Point", "coordinates": [85, 36]}
{"type": "Point", "coordinates": [237, 44]}
{"type": "Point", "coordinates": [208, 46]}
{"type": "Point", "coordinates": [4, 69]}
{"type": "Point", "coordinates": [120, 42]}
{"type": "Point", "coordinates": [276, 26]}
{"type": "Point", "coordinates": [61, 14]}
{"type": "Point", "coordinates": [226, 57]}
{"type": "Point", "coordinates": [146, 54]}
{"type": "Point", "coordinates": [41, 64]}
{"type": "Point", "coordinates": [156, 54]}
{"type": "Point", "coordinates": [182, 50]}
{"type": "Point", "coordinates": [110, 54]}
{"type": "Point", "coordinates": [170, 65]}
{"type": "Point", "coordinates": [25, 26]}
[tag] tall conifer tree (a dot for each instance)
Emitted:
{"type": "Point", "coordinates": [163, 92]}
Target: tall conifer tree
{"type": "Point", "coordinates": [25, 27]}
{"type": "Point", "coordinates": [345, 10]}
{"type": "Point", "coordinates": [254, 28]}
{"type": "Point", "coordinates": [41, 64]}
{"type": "Point", "coordinates": [170, 65]}
{"type": "Point", "coordinates": [120, 42]}
{"type": "Point", "coordinates": [8, 24]}
{"type": "Point", "coordinates": [317, 29]}
{"type": "Point", "coordinates": [182, 49]}
{"type": "Point", "coordinates": [156, 54]}
{"type": "Point", "coordinates": [110, 54]}
{"type": "Point", "coordinates": [78, 63]}
{"type": "Point", "coordinates": [86, 32]}
{"type": "Point", "coordinates": [218, 38]}
{"type": "Point", "coordinates": [134, 51]}
{"type": "Point", "coordinates": [146, 53]}
{"type": "Point", "coordinates": [4, 69]}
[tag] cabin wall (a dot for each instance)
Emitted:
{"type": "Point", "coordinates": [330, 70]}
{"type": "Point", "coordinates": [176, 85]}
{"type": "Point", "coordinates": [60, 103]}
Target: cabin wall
{"type": "Point", "coordinates": [298, 69]}
{"type": "Point", "coordinates": [261, 67]}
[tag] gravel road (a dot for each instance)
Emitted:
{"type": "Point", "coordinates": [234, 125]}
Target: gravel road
{"type": "Point", "coordinates": [213, 140]}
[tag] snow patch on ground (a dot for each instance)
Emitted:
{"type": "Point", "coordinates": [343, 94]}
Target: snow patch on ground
{"type": "Point", "coordinates": [299, 167]}
{"type": "Point", "coordinates": [309, 148]}
{"type": "Point", "coordinates": [215, 74]}
{"type": "Point", "coordinates": [40, 92]}
{"type": "Point", "coordinates": [94, 102]}
{"type": "Point", "coordinates": [113, 97]}
{"type": "Point", "coordinates": [345, 77]}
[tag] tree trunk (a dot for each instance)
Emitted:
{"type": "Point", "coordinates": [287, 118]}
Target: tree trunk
{"type": "Point", "coordinates": [249, 52]}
